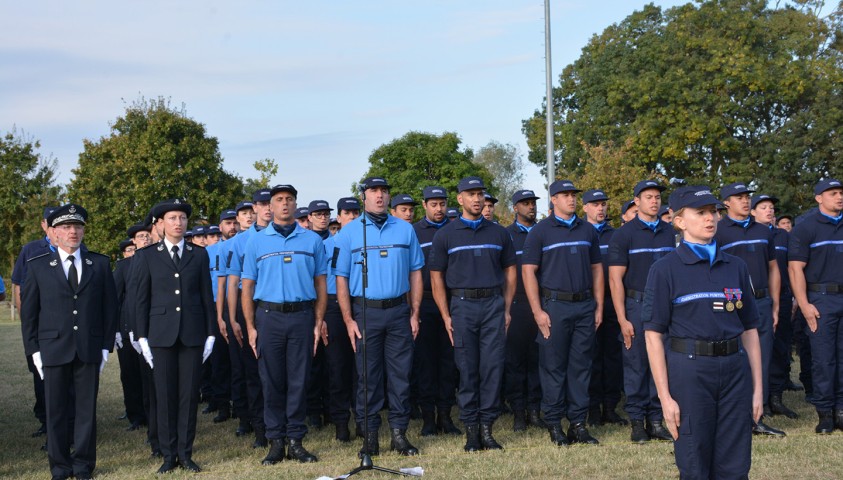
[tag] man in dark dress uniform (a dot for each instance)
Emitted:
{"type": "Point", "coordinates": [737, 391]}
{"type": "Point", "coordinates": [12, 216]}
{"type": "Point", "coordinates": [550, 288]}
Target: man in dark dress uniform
{"type": "Point", "coordinates": [68, 320]}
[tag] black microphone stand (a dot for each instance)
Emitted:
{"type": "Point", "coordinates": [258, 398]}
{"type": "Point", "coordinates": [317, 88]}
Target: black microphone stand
{"type": "Point", "coordinates": [366, 462]}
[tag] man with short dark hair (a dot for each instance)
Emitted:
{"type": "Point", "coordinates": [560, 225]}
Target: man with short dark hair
{"type": "Point", "coordinates": [403, 206]}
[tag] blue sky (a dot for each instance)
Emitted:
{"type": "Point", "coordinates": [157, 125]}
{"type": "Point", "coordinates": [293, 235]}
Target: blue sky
{"type": "Point", "coordinates": [315, 85]}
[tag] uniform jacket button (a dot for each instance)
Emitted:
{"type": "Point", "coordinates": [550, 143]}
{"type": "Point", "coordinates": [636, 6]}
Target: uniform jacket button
{"type": "Point", "coordinates": [178, 309]}
{"type": "Point", "coordinates": [177, 292]}
{"type": "Point", "coordinates": [76, 327]}
{"type": "Point", "coordinates": [176, 275]}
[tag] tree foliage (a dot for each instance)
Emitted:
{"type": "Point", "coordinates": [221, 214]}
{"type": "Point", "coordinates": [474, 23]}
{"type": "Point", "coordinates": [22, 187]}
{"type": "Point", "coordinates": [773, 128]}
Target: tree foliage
{"type": "Point", "coordinates": [27, 185]}
{"type": "Point", "coordinates": [266, 170]}
{"type": "Point", "coordinates": [714, 92]}
{"type": "Point", "coordinates": [418, 160]}
{"type": "Point", "coordinates": [154, 152]}
{"type": "Point", "coordinates": [506, 166]}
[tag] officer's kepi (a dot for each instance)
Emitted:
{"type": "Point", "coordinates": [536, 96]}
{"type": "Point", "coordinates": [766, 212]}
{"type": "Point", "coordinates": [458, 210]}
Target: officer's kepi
{"type": "Point", "coordinates": [70, 213]}
{"type": "Point", "coordinates": [521, 195]}
{"type": "Point", "coordinates": [172, 205]}
{"type": "Point", "coordinates": [137, 228]}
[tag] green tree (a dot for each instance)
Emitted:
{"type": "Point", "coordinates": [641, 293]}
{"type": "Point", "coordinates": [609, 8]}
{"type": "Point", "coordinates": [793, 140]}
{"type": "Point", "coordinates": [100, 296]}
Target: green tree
{"type": "Point", "coordinates": [154, 152]}
{"type": "Point", "coordinates": [418, 160]}
{"type": "Point", "coordinates": [266, 169]}
{"type": "Point", "coordinates": [714, 92]}
{"type": "Point", "coordinates": [27, 185]}
{"type": "Point", "coordinates": [506, 165]}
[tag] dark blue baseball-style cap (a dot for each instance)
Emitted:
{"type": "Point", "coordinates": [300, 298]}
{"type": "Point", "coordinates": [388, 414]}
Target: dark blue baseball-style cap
{"type": "Point", "coordinates": [452, 213]}
{"type": "Point", "coordinates": [374, 182]}
{"type": "Point", "coordinates": [348, 203]}
{"type": "Point", "coordinates": [626, 206]}
{"type": "Point", "coordinates": [646, 185]}
{"type": "Point", "coordinates": [762, 197]}
{"type": "Point", "coordinates": [301, 212]}
{"type": "Point", "coordinates": [262, 195]}
{"type": "Point", "coordinates": [491, 198]}
{"type": "Point", "coordinates": [48, 211]}
{"type": "Point", "coordinates": [695, 196]}
{"type": "Point", "coordinates": [560, 186]}
{"type": "Point", "coordinates": [198, 230]}
{"type": "Point", "coordinates": [826, 184]}
{"type": "Point", "coordinates": [318, 205]}
{"type": "Point", "coordinates": [470, 183]}
{"type": "Point", "coordinates": [402, 199]}
{"type": "Point", "coordinates": [213, 230]}
{"type": "Point", "coordinates": [594, 195]}
{"type": "Point", "coordinates": [283, 188]}
{"type": "Point", "coordinates": [521, 195]}
{"type": "Point", "coordinates": [434, 192]}
{"type": "Point", "coordinates": [228, 214]}
{"type": "Point", "coordinates": [244, 205]}
{"type": "Point", "coordinates": [735, 188]}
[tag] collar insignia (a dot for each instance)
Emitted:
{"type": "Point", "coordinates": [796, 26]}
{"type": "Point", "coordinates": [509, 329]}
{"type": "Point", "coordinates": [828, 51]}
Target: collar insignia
{"type": "Point", "coordinates": [54, 262]}
{"type": "Point", "coordinates": [88, 261]}
{"type": "Point", "coordinates": [160, 247]}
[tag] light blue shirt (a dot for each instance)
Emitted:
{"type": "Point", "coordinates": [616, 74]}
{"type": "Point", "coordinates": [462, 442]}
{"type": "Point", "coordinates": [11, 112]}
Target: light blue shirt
{"type": "Point", "coordinates": [284, 268]}
{"type": "Point", "coordinates": [393, 252]}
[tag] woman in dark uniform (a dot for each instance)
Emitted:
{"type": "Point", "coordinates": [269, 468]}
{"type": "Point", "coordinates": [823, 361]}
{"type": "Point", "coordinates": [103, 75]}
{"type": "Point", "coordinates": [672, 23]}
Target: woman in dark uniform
{"type": "Point", "coordinates": [707, 369]}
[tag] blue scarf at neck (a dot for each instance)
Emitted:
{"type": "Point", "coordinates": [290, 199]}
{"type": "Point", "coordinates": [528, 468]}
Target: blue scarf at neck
{"type": "Point", "coordinates": [743, 223]}
{"type": "Point", "coordinates": [834, 220]}
{"type": "Point", "coordinates": [472, 224]}
{"type": "Point", "coordinates": [568, 223]}
{"type": "Point", "coordinates": [437, 225]}
{"type": "Point", "coordinates": [705, 252]}
{"type": "Point", "coordinates": [651, 225]}
{"type": "Point", "coordinates": [524, 228]}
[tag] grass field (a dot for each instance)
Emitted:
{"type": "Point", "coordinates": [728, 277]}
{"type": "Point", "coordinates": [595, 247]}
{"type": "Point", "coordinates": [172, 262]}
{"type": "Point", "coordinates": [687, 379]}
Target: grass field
{"type": "Point", "coordinates": [123, 455]}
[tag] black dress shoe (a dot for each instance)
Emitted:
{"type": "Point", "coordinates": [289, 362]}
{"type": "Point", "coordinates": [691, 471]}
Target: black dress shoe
{"type": "Point", "coordinates": [83, 476]}
{"type": "Point", "coordinates": [276, 452]}
{"type": "Point", "coordinates": [370, 445]}
{"type": "Point", "coordinates": [826, 425]}
{"type": "Point", "coordinates": [557, 436]}
{"type": "Point", "coordinates": [578, 433]}
{"type": "Point", "coordinates": [472, 438]}
{"type": "Point", "coordinates": [639, 433]}
{"type": "Point", "coordinates": [41, 430]}
{"type": "Point", "coordinates": [400, 443]}
{"type": "Point", "coordinates": [779, 408]}
{"type": "Point", "coordinates": [134, 426]}
{"type": "Point", "coordinates": [315, 421]}
{"type": "Point", "coordinates": [486, 439]}
{"type": "Point", "coordinates": [223, 414]}
{"type": "Point", "coordinates": [189, 465]}
{"type": "Point", "coordinates": [429, 424]}
{"type": "Point", "coordinates": [244, 428]}
{"type": "Point", "coordinates": [838, 419]}
{"type": "Point", "coordinates": [519, 421]}
{"type": "Point", "coordinates": [445, 424]}
{"type": "Point", "coordinates": [611, 417]}
{"type": "Point", "coordinates": [595, 417]}
{"type": "Point", "coordinates": [657, 431]}
{"type": "Point", "coordinates": [296, 451]}
{"type": "Point", "coordinates": [167, 466]}
{"type": "Point", "coordinates": [761, 428]}
{"type": "Point", "coordinates": [535, 419]}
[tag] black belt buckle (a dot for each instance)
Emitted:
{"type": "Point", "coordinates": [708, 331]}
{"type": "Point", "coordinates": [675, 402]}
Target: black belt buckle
{"type": "Point", "coordinates": [761, 293]}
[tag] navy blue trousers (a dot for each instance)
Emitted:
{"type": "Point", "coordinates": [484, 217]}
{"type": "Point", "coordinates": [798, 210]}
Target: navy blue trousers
{"type": "Point", "coordinates": [766, 337]}
{"type": "Point", "coordinates": [434, 361]}
{"type": "Point", "coordinates": [479, 351]}
{"type": "Point", "coordinates": [130, 379]}
{"type": "Point", "coordinates": [782, 343]}
{"type": "Point", "coordinates": [339, 365]}
{"type": "Point", "coordinates": [827, 351]}
{"type": "Point", "coordinates": [715, 403]}
{"type": "Point", "coordinates": [285, 352]}
{"type": "Point", "coordinates": [177, 374]}
{"type": "Point", "coordinates": [389, 355]}
{"type": "Point", "coordinates": [565, 360]}
{"type": "Point", "coordinates": [642, 399]}
{"type": "Point", "coordinates": [252, 378]}
{"type": "Point", "coordinates": [523, 387]}
{"type": "Point", "coordinates": [606, 384]}
{"type": "Point", "coordinates": [239, 399]}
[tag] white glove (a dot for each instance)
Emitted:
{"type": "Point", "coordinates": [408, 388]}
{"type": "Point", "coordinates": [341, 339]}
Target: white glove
{"type": "Point", "coordinates": [145, 351]}
{"type": "Point", "coordinates": [118, 340]}
{"type": "Point", "coordinates": [36, 359]}
{"type": "Point", "coordinates": [209, 347]}
{"type": "Point", "coordinates": [134, 343]}
{"type": "Point", "coordinates": [104, 359]}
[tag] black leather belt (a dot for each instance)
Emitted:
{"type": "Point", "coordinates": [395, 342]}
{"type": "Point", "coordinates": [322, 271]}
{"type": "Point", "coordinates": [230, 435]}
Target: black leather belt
{"type": "Point", "coordinates": [558, 296]}
{"type": "Point", "coordinates": [825, 287]}
{"type": "Point", "coordinates": [635, 295]}
{"type": "Point", "coordinates": [702, 347]}
{"type": "Point", "coordinates": [761, 293]}
{"type": "Point", "coordinates": [388, 303]}
{"type": "Point", "coordinates": [288, 307]}
{"type": "Point", "coordinates": [475, 292]}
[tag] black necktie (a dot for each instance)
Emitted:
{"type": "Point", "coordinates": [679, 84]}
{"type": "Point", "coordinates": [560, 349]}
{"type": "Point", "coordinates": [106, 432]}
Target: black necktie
{"type": "Point", "coordinates": [176, 258]}
{"type": "Point", "coordinates": [72, 273]}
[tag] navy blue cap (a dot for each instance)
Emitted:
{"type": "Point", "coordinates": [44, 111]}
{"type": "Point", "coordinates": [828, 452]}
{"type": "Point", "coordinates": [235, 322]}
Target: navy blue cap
{"type": "Point", "coordinates": [736, 188]}
{"type": "Point", "coordinates": [626, 206]}
{"type": "Point", "coordinates": [172, 205]}
{"type": "Point", "coordinates": [348, 203]}
{"type": "Point", "coordinates": [318, 205]}
{"type": "Point", "coordinates": [126, 242]}
{"type": "Point", "coordinates": [136, 228]}
{"type": "Point", "coordinates": [695, 196]}
{"type": "Point", "coordinates": [301, 212]}
{"type": "Point", "coordinates": [452, 213]}
{"type": "Point", "coordinates": [594, 195]}
{"type": "Point", "coordinates": [645, 185]}
{"type": "Point", "coordinates": [826, 184]}
{"type": "Point", "coordinates": [402, 199]}
{"type": "Point", "coordinates": [662, 210]}
{"type": "Point", "coordinates": [228, 214]}
{"type": "Point", "coordinates": [283, 188]}
{"type": "Point", "coordinates": [48, 211]}
{"type": "Point", "coordinates": [434, 192]}
{"type": "Point", "coordinates": [262, 195]}
{"type": "Point", "coordinates": [762, 197]}
{"type": "Point", "coordinates": [212, 230]}
{"type": "Point", "coordinates": [70, 213]}
{"type": "Point", "coordinates": [244, 205]}
{"type": "Point", "coordinates": [470, 183]}
{"type": "Point", "coordinates": [521, 195]}
{"type": "Point", "coordinates": [188, 234]}
{"type": "Point", "coordinates": [198, 230]}
{"type": "Point", "coordinates": [373, 182]}
{"type": "Point", "coordinates": [490, 198]}
{"type": "Point", "coordinates": [562, 186]}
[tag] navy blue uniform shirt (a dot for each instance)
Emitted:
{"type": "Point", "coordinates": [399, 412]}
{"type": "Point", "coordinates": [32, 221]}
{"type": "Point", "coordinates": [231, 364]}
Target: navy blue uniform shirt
{"type": "Point", "coordinates": [564, 254]}
{"type": "Point", "coordinates": [781, 239]}
{"type": "Point", "coordinates": [519, 236]}
{"type": "Point", "coordinates": [636, 246]}
{"type": "Point", "coordinates": [753, 244]}
{"type": "Point", "coordinates": [472, 258]}
{"type": "Point", "coordinates": [817, 241]}
{"type": "Point", "coordinates": [425, 230]}
{"type": "Point", "coordinates": [604, 236]}
{"type": "Point", "coordinates": [685, 297]}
